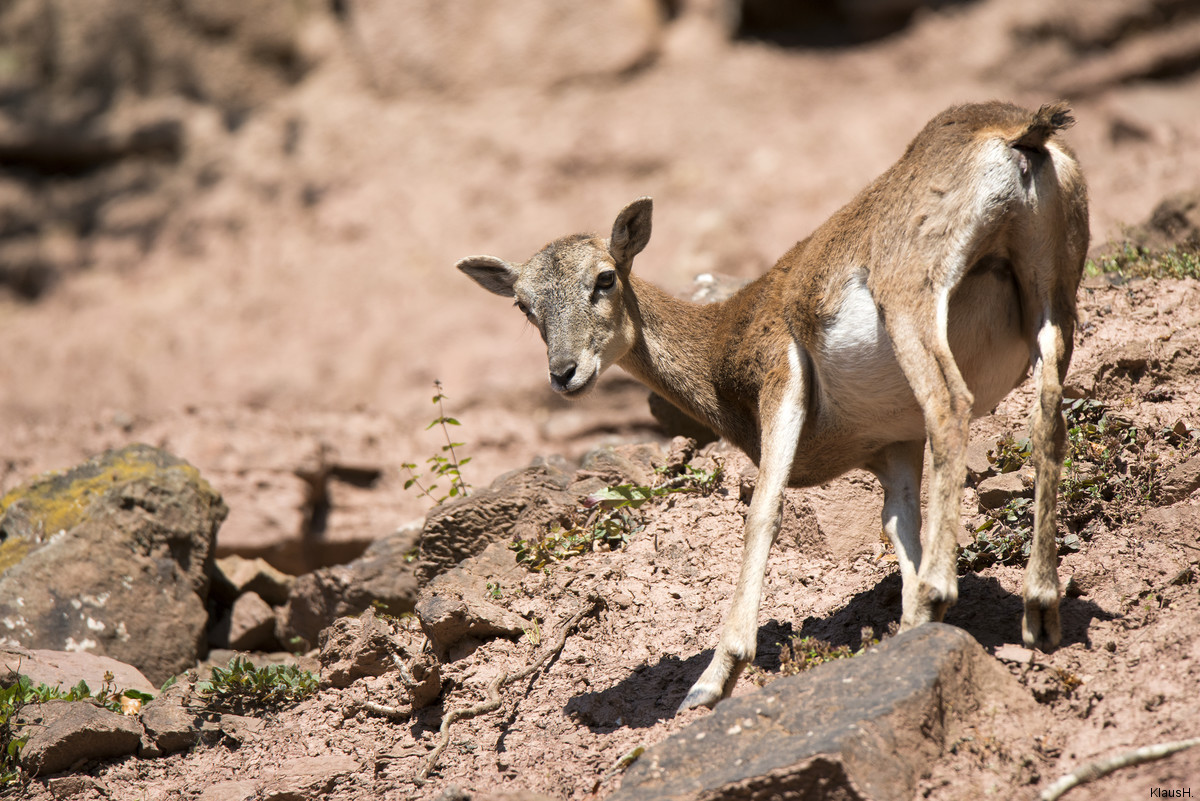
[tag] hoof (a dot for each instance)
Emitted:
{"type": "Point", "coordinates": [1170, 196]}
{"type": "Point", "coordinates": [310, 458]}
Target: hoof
{"type": "Point", "coordinates": [1041, 627]}
{"type": "Point", "coordinates": [700, 695]}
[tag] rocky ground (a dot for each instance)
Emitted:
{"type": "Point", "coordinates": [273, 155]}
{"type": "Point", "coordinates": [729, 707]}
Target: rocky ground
{"type": "Point", "coordinates": [245, 258]}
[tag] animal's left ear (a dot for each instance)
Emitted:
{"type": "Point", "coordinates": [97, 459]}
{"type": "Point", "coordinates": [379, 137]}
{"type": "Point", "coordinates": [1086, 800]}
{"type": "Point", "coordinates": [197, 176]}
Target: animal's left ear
{"type": "Point", "coordinates": [631, 232]}
{"type": "Point", "coordinates": [495, 275]}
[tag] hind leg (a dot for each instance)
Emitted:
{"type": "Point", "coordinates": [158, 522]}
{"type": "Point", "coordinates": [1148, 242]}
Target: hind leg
{"type": "Point", "coordinates": [1040, 625]}
{"type": "Point", "coordinates": [922, 349]}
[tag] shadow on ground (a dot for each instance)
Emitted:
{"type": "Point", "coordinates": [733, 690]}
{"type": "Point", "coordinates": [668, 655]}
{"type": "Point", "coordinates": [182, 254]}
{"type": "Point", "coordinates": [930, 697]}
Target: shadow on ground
{"type": "Point", "coordinates": [987, 611]}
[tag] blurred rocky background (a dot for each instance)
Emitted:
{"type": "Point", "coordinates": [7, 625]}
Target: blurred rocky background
{"type": "Point", "coordinates": [228, 229]}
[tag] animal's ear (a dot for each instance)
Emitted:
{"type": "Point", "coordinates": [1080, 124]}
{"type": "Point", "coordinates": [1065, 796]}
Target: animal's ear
{"type": "Point", "coordinates": [631, 231]}
{"type": "Point", "coordinates": [494, 275]}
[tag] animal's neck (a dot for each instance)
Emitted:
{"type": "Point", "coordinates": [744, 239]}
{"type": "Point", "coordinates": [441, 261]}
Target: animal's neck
{"type": "Point", "coordinates": [674, 350]}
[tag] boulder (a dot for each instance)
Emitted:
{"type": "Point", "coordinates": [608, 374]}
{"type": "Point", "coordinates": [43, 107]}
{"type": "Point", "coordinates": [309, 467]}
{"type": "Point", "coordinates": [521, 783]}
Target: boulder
{"type": "Point", "coordinates": [496, 565]}
{"type": "Point", "coordinates": [521, 504]}
{"type": "Point", "coordinates": [311, 777]}
{"type": "Point", "coordinates": [62, 733]}
{"type": "Point", "coordinates": [624, 464]}
{"type": "Point", "coordinates": [1175, 221]}
{"type": "Point", "coordinates": [65, 669]}
{"type": "Point", "coordinates": [979, 466]}
{"type": "Point", "coordinates": [235, 790]}
{"type": "Point", "coordinates": [113, 558]}
{"type": "Point", "coordinates": [357, 647]}
{"type": "Point", "coordinates": [383, 577]}
{"type": "Point", "coordinates": [97, 122]}
{"type": "Point", "coordinates": [454, 609]}
{"type": "Point", "coordinates": [861, 728]}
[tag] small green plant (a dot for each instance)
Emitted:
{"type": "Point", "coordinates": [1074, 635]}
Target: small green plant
{"type": "Point", "coordinates": [23, 691]}
{"type": "Point", "coordinates": [493, 590]}
{"type": "Point", "coordinates": [533, 632]}
{"type": "Point", "coordinates": [12, 699]}
{"type": "Point", "coordinates": [1009, 454]}
{"type": "Point", "coordinates": [241, 687]}
{"type": "Point", "coordinates": [609, 517]}
{"type": "Point", "coordinates": [695, 479]}
{"type": "Point", "coordinates": [608, 531]}
{"type": "Point", "coordinates": [1003, 538]}
{"type": "Point", "coordinates": [444, 465]}
{"type": "Point", "coordinates": [1134, 261]}
{"type": "Point", "coordinates": [804, 653]}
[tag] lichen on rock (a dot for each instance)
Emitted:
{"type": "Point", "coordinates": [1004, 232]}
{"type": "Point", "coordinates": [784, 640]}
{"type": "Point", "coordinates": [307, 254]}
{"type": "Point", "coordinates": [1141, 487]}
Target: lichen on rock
{"type": "Point", "coordinates": [112, 557]}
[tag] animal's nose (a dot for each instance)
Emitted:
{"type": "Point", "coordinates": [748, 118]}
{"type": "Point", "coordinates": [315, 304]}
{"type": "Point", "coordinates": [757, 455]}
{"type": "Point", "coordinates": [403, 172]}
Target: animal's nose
{"type": "Point", "coordinates": [561, 374]}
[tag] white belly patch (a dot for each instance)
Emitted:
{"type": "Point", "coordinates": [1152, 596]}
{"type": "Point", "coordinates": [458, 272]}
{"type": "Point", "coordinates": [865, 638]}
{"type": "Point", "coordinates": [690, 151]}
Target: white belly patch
{"type": "Point", "coordinates": [860, 383]}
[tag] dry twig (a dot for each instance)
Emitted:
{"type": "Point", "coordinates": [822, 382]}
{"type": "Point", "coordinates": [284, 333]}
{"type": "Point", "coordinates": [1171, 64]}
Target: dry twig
{"type": "Point", "coordinates": [493, 701]}
{"type": "Point", "coordinates": [1102, 767]}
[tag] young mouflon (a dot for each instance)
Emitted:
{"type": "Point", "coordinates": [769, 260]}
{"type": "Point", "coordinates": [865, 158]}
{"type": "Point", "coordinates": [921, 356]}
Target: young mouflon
{"type": "Point", "coordinates": [916, 307]}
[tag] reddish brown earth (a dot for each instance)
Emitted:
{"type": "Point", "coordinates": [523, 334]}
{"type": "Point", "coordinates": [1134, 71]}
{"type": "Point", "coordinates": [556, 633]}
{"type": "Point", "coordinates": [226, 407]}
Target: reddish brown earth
{"type": "Point", "coordinates": [299, 308]}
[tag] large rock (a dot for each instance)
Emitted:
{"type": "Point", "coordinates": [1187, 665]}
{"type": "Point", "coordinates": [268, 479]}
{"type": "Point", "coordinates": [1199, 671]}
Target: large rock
{"type": "Point", "coordinates": [1174, 222]}
{"type": "Point", "coordinates": [65, 669]}
{"type": "Point", "coordinates": [862, 728]}
{"type": "Point", "coordinates": [454, 609]}
{"type": "Point", "coordinates": [450, 619]}
{"type": "Point", "coordinates": [169, 727]}
{"type": "Point", "coordinates": [522, 504]}
{"type": "Point", "coordinates": [111, 557]}
{"type": "Point", "coordinates": [996, 491]}
{"type": "Point", "coordinates": [62, 733]}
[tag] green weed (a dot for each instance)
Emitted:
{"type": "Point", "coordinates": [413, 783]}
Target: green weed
{"type": "Point", "coordinates": [444, 465]}
{"type": "Point", "coordinates": [1135, 261]}
{"type": "Point", "coordinates": [608, 518]}
{"type": "Point", "coordinates": [1009, 454]}
{"type": "Point", "coordinates": [241, 687]}
{"type": "Point", "coordinates": [804, 653]}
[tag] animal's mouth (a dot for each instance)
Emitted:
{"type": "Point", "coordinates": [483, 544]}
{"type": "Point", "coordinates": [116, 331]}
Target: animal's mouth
{"type": "Point", "coordinates": [578, 390]}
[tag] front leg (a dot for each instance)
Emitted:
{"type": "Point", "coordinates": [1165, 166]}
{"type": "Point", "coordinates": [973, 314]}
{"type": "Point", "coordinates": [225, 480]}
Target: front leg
{"type": "Point", "coordinates": [783, 411]}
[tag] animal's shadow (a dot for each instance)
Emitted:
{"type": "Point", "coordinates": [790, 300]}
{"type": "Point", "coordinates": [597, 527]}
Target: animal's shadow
{"type": "Point", "coordinates": [987, 611]}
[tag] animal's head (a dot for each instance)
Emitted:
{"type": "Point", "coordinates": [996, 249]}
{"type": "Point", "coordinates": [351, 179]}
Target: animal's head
{"type": "Point", "coordinates": [576, 291]}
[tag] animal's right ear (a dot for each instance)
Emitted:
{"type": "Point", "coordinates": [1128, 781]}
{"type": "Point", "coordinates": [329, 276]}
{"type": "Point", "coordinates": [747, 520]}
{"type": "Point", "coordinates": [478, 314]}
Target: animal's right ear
{"type": "Point", "coordinates": [494, 275]}
{"type": "Point", "coordinates": [631, 231]}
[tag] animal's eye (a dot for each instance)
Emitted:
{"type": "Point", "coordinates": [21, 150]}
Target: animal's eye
{"type": "Point", "coordinates": [523, 308]}
{"type": "Point", "coordinates": [606, 279]}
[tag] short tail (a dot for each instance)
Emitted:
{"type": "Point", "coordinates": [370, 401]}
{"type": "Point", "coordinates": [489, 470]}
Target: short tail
{"type": "Point", "coordinates": [1047, 121]}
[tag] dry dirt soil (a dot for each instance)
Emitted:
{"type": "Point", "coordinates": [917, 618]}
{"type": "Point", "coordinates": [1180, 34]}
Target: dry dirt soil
{"type": "Point", "coordinates": [300, 306]}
